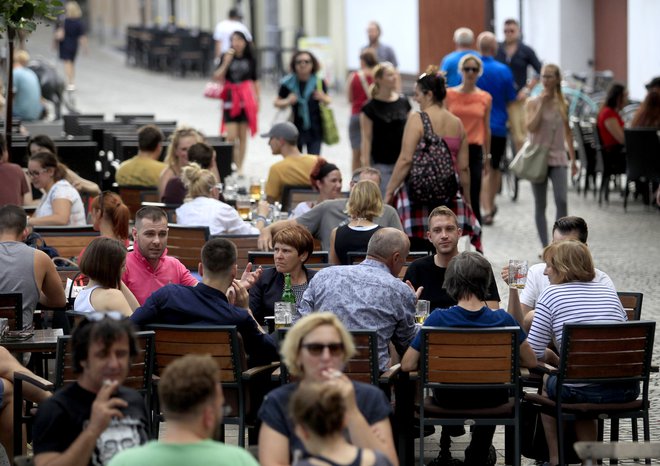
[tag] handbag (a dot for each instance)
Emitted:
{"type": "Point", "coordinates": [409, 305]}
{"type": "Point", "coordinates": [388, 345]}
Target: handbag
{"type": "Point", "coordinates": [213, 90]}
{"type": "Point", "coordinates": [531, 162]}
{"type": "Point", "coordinates": [330, 132]}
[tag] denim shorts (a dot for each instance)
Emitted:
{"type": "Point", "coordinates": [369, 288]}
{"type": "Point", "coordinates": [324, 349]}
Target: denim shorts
{"type": "Point", "coordinates": [594, 393]}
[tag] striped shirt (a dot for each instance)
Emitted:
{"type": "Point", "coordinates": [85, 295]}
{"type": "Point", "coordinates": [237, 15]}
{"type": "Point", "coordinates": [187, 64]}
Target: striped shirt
{"type": "Point", "coordinates": [573, 302]}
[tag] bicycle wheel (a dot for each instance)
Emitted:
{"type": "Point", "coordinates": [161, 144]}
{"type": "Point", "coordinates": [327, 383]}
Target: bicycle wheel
{"type": "Point", "coordinates": [580, 105]}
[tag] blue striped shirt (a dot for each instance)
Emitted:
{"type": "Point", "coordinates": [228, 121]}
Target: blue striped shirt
{"type": "Point", "coordinates": [573, 302]}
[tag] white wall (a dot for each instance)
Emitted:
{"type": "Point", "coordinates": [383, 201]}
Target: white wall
{"type": "Point", "coordinates": [643, 40]}
{"type": "Point", "coordinates": [399, 23]}
{"type": "Point", "coordinates": [577, 36]}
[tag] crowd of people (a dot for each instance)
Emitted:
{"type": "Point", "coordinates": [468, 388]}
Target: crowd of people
{"type": "Point", "coordinates": [321, 416]}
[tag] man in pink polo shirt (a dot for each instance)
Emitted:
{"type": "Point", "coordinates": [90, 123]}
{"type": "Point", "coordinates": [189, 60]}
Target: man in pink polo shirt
{"type": "Point", "coordinates": [148, 267]}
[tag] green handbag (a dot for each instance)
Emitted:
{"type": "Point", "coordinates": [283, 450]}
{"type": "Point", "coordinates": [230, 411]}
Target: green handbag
{"type": "Point", "coordinates": [330, 132]}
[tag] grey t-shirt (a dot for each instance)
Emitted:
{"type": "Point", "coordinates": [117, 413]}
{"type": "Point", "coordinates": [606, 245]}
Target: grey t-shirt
{"type": "Point", "coordinates": [327, 215]}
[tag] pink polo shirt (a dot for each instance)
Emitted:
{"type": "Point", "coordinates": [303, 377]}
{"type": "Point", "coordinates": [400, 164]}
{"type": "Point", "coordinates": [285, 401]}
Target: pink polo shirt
{"type": "Point", "coordinates": [143, 280]}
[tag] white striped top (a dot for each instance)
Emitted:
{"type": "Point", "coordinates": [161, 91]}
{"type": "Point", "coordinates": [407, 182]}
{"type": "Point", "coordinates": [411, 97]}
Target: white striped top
{"type": "Point", "coordinates": [573, 302]}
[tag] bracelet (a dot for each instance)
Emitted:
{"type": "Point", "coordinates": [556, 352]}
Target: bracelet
{"type": "Point", "coordinates": [488, 156]}
{"type": "Point", "coordinates": [262, 218]}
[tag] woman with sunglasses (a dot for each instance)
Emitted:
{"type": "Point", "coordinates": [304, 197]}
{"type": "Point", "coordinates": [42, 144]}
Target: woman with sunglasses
{"type": "Point", "coordinates": [302, 92]}
{"type": "Point", "coordinates": [103, 262]}
{"type": "Point", "coordinates": [472, 105]}
{"type": "Point", "coordinates": [319, 414]}
{"type": "Point", "coordinates": [240, 94]}
{"type": "Point", "coordinates": [382, 121]}
{"type": "Point", "coordinates": [430, 93]}
{"type": "Point", "coordinates": [61, 204]}
{"type": "Point", "coordinates": [315, 351]}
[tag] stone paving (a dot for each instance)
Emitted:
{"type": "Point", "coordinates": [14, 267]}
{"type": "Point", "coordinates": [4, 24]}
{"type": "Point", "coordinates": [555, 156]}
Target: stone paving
{"type": "Point", "coordinates": [625, 245]}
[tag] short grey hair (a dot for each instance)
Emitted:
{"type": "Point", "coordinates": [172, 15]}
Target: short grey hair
{"type": "Point", "coordinates": [386, 241]}
{"type": "Point", "coordinates": [463, 36]}
{"type": "Point", "coordinates": [468, 274]}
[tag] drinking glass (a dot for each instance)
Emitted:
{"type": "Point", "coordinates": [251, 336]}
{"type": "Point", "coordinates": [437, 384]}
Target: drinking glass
{"type": "Point", "coordinates": [422, 310]}
{"type": "Point", "coordinates": [517, 273]}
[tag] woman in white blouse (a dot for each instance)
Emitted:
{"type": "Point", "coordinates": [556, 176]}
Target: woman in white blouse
{"type": "Point", "coordinates": [202, 206]}
{"type": "Point", "coordinates": [61, 204]}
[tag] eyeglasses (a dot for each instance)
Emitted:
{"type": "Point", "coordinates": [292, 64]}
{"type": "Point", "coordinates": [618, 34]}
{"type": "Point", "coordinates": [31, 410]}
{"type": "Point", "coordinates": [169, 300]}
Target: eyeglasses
{"type": "Point", "coordinates": [316, 349]}
{"type": "Point", "coordinates": [509, 30]}
{"type": "Point", "coordinates": [34, 173]}
{"type": "Point", "coordinates": [303, 62]}
{"type": "Point", "coordinates": [469, 68]}
{"type": "Point", "coordinates": [99, 316]}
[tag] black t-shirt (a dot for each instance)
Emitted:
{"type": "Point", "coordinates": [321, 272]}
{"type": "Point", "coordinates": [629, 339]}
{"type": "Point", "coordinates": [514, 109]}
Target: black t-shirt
{"type": "Point", "coordinates": [389, 119]}
{"type": "Point", "coordinates": [424, 272]}
{"type": "Point", "coordinates": [314, 110]}
{"type": "Point", "coordinates": [241, 69]}
{"type": "Point", "coordinates": [61, 419]}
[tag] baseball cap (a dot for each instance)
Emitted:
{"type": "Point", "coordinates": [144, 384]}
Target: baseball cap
{"type": "Point", "coordinates": [655, 82]}
{"type": "Point", "coordinates": [285, 130]}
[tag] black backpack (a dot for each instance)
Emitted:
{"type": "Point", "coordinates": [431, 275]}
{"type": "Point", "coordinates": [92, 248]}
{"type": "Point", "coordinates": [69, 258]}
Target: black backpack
{"type": "Point", "coordinates": [432, 178]}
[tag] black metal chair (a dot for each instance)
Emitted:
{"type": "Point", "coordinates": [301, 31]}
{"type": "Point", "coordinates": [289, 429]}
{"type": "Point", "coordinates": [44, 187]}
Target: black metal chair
{"type": "Point", "coordinates": [601, 354]}
{"type": "Point", "coordinates": [475, 360]}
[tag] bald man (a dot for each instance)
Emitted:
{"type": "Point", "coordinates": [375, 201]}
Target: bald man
{"type": "Point", "coordinates": [369, 294]}
{"type": "Point", "coordinates": [497, 80]}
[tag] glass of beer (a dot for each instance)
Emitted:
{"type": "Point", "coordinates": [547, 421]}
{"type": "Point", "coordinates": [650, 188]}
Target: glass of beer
{"type": "Point", "coordinates": [422, 310]}
{"type": "Point", "coordinates": [243, 207]}
{"type": "Point", "coordinates": [283, 314]}
{"type": "Point", "coordinates": [255, 188]}
{"type": "Point", "coordinates": [517, 273]}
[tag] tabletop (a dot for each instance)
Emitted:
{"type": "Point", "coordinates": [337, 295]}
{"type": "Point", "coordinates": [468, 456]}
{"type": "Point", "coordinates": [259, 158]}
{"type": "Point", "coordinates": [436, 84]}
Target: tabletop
{"type": "Point", "coordinates": [42, 341]}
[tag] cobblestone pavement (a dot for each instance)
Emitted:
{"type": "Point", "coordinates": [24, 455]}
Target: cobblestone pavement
{"type": "Point", "coordinates": [624, 245]}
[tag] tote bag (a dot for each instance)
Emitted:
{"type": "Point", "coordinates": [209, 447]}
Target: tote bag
{"type": "Point", "coordinates": [330, 132]}
{"type": "Point", "coordinates": [531, 162]}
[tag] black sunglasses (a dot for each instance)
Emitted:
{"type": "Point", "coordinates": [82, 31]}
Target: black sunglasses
{"type": "Point", "coordinates": [303, 62]}
{"type": "Point", "coordinates": [316, 349]}
{"type": "Point", "coordinates": [469, 68]}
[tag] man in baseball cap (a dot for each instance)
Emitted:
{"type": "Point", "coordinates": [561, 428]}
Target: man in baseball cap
{"type": "Point", "coordinates": [294, 169]}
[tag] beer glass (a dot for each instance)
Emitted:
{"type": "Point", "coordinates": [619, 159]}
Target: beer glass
{"type": "Point", "coordinates": [422, 310]}
{"type": "Point", "coordinates": [517, 273]}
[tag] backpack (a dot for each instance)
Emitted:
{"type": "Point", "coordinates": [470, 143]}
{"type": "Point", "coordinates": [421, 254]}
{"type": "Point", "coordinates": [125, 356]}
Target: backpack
{"type": "Point", "coordinates": [432, 178]}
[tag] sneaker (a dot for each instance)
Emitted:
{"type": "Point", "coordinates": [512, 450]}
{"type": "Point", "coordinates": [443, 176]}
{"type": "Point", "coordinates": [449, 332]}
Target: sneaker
{"type": "Point", "coordinates": [491, 460]}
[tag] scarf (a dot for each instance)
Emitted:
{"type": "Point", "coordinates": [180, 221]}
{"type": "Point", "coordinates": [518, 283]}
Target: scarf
{"type": "Point", "coordinates": [292, 83]}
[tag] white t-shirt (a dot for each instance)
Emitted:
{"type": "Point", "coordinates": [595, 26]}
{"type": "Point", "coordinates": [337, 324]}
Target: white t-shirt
{"type": "Point", "coordinates": [225, 28]}
{"type": "Point", "coordinates": [221, 218]}
{"type": "Point", "coordinates": [63, 190]}
{"type": "Point", "coordinates": [537, 282]}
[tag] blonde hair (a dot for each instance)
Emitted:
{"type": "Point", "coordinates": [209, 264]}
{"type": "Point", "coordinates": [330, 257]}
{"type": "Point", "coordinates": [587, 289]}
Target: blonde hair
{"type": "Point", "coordinates": [175, 138]}
{"type": "Point", "coordinates": [72, 10]}
{"type": "Point", "coordinates": [563, 105]}
{"type": "Point", "coordinates": [571, 261]}
{"type": "Point", "coordinates": [21, 57]}
{"type": "Point", "coordinates": [379, 72]}
{"type": "Point", "coordinates": [198, 181]}
{"type": "Point", "coordinates": [365, 200]}
{"type": "Point", "coordinates": [294, 337]}
{"type": "Point", "coordinates": [475, 59]}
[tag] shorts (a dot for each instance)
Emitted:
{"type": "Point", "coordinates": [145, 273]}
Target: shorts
{"type": "Point", "coordinates": [593, 393]}
{"type": "Point", "coordinates": [240, 118]}
{"type": "Point", "coordinates": [497, 149]}
{"type": "Point", "coordinates": [354, 131]}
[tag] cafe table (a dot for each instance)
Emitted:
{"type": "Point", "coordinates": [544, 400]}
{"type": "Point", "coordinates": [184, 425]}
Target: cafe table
{"type": "Point", "coordinates": [42, 341]}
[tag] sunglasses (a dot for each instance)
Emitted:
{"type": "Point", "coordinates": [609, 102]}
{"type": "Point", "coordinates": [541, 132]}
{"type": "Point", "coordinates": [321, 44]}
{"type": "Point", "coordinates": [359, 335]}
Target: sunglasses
{"type": "Point", "coordinates": [316, 349]}
{"type": "Point", "coordinates": [34, 173]}
{"type": "Point", "coordinates": [509, 30]}
{"type": "Point", "coordinates": [303, 62]}
{"type": "Point", "coordinates": [469, 68]}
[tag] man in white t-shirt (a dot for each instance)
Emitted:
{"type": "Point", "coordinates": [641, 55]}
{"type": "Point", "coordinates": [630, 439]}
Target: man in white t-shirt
{"type": "Point", "coordinates": [522, 307]}
{"type": "Point", "coordinates": [225, 28]}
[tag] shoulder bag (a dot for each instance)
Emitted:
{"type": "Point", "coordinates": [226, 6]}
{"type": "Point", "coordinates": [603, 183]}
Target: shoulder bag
{"type": "Point", "coordinates": [531, 161]}
{"type": "Point", "coordinates": [330, 132]}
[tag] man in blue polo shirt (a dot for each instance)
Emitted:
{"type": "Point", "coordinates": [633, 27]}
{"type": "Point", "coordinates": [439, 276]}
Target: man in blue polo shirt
{"type": "Point", "coordinates": [26, 89]}
{"type": "Point", "coordinates": [497, 80]}
{"type": "Point", "coordinates": [463, 38]}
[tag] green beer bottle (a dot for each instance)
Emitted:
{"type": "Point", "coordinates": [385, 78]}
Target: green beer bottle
{"type": "Point", "coordinates": [287, 294]}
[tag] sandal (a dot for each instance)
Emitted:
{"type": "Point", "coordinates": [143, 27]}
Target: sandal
{"type": "Point", "coordinates": [487, 219]}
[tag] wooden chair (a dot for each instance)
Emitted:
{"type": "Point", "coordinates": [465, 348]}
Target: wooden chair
{"type": "Point", "coordinates": [140, 376]}
{"type": "Point", "coordinates": [632, 304]}
{"type": "Point", "coordinates": [69, 241]}
{"type": "Point", "coordinates": [224, 344]}
{"type": "Point", "coordinates": [132, 196]}
{"type": "Point", "coordinates": [186, 243]}
{"type": "Point", "coordinates": [600, 354]}
{"type": "Point", "coordinates": [244, 244]}
{"type": "Point", "coordinates": [11, 308]}
{"type": "Point", "coordinates": [292, 195]}
{"type": "Point", "coordinates": [266, 258]}
{"type": "Point", "coordinates": [642, 160]}
{"type": "Point", "coordinates": [473, 360]}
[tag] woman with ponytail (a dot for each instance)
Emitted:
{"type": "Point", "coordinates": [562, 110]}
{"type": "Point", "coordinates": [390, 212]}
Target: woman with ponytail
{"type": "Point", "coordinates": [202, 206]}
{"type": "Point", "coordinates": [110, 216]}
{"type": "Point", "coordinates": [61, 204]}
{"type": "Point", "coordinates": [430, 93]}
{"type": "Point", "coordinates": [382, 121]}
{"type": "Point", "coordinates": [547, 124]}
{"type": "Point", "coordinates": [319, 414]}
